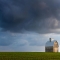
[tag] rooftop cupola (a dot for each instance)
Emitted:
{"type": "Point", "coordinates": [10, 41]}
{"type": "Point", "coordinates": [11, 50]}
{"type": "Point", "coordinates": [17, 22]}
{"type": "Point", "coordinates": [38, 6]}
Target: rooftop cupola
{"type": "Point", "coordinates": [50, 39]}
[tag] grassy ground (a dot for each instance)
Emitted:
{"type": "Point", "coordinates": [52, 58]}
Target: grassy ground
{"type": "Point", "coordinates": [29, 56]}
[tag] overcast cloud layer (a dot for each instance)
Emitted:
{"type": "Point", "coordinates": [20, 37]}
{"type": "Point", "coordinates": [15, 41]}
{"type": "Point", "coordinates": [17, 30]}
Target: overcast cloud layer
{"type": "Point", "coordinates": [26, 25]}
{"type": "Point", "coordinates": [25, 42]}
{"type": "Point", "coordinates": [42, 16]}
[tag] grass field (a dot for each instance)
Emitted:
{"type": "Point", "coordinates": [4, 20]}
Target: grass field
{"type": "Point", "coordinates": [29, 56]}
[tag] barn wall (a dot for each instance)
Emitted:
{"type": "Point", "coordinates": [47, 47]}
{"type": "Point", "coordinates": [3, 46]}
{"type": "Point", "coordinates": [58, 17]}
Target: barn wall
{"type": "Point", "coordinates": [49, 49]}
{"type": "Point", "coordinates": [55, 49]}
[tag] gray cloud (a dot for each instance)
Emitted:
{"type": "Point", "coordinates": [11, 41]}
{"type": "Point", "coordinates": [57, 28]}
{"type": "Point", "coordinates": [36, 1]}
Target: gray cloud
{"type": "Point", "coordinates": [40, 16]}
{"type": "Point", "coordinates": [6, 39]}
{"type": "Point", "coordinates": [32, 39]}
{"type": "Point", "coordinates": [22, 49]}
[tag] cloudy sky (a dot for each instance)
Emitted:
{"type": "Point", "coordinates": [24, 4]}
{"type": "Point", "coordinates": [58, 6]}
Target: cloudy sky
{"type": "Point", "coordinates": [26, 25]}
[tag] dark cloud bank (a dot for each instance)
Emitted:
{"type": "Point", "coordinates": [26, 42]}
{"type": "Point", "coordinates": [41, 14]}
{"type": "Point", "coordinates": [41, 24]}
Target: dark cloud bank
{"type": "Point", "coordinates": [40, 16]}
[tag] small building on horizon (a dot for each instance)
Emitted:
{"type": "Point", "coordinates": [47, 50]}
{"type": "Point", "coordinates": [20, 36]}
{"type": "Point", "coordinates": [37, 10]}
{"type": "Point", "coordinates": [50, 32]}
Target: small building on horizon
{"type": "Point", "coordinates": [51, 46]}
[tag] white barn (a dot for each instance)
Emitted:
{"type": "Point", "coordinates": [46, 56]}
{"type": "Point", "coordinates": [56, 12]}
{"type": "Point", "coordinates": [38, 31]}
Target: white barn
{"type": "Point", "coordinates": [51, 46]}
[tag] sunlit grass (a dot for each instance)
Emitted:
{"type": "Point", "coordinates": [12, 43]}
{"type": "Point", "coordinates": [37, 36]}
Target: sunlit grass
{"type": "Point", "coordinates": [29, 56]}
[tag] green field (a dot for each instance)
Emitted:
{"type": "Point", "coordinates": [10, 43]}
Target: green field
{"type": "Point", "coordinates": [29, 56]}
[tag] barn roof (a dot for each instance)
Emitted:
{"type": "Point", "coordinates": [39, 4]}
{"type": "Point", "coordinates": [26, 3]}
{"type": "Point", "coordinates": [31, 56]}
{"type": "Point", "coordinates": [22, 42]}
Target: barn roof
{"type": "Point", "coordinates": [48, 43]}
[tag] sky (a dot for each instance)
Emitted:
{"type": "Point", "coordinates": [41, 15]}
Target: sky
{"type": "Point", "coordinates": [26, 25]}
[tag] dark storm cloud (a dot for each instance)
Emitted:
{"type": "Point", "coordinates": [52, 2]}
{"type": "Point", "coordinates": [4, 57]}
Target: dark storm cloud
{"type": "Point", "coordinates": [30, 15]}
